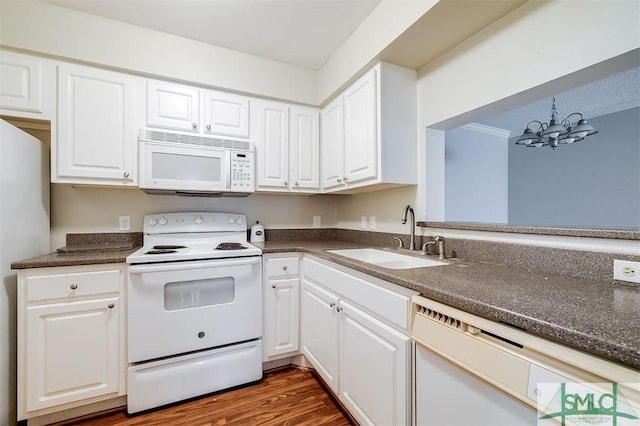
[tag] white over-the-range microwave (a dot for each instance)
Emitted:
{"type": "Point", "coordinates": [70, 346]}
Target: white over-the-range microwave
{"type": "Point", "coordinates": [173, 163]}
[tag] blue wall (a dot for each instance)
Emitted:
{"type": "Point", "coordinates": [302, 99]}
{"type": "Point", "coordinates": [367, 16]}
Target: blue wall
{"type": "Point", "coordinates": [593, 183]}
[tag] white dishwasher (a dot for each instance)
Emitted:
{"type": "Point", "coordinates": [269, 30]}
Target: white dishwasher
{"type": "Point", "coordinates": [469, 371]}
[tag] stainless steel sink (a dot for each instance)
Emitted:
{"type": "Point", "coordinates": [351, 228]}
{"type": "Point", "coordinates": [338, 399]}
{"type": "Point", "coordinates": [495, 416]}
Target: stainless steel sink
{"type": "Point", "coordinates": [387, 259]}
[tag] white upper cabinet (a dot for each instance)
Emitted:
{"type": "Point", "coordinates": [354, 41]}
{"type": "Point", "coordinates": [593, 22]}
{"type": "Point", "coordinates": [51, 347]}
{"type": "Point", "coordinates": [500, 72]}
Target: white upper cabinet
{"type": "Point", "coordinates": [287, 148]}
{"type": "Point", "coordinates": [172, 106]}
{"type": "Point", "coordinates": [27, 86]}
{"type": "Point", "coordinates": [332, 145]}
{"type": "Point", "coordinates": [304, 148]}
{"type": "Point", "coordinates": [369, 132]}
{"type": "Point", "coordinates": [97, 136]}
{"type": "Point", "coordinates": [191, 109]}
{"type": "Point", "coordinates": [226, 114]}
{"type": "Point", "coordinates": [272, 146]}
{"type": "Point", "coordinates": [360, 130]}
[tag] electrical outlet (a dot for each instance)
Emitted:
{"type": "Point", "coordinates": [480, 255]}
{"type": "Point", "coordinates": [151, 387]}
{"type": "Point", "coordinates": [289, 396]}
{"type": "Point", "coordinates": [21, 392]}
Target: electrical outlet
{"type": "Point", "coordinates": [626, 270]}
{"type": "Point", "coordinates": [372, 222]}
{"type": "Point", "coordinates": [125, 223]}
{"type": "Point", "coordinates": [363, 222]}
{"type": "Point", "coordinates": [316, 221]}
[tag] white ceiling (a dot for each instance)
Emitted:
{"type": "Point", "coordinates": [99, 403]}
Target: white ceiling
{"type": "Point", "coordinates": [298, 32]}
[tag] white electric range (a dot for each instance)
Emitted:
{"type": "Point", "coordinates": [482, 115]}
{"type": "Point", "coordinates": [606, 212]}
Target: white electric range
{"type": "Point", "coordinates": [194, 308]}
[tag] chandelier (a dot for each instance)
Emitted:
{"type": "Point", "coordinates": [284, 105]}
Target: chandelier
{"type": "Point", "coordinates": [555, 133]}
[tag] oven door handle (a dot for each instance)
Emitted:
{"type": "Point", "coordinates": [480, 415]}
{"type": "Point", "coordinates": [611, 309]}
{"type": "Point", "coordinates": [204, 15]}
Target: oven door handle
{"type": "Point", "coordinates": [183, 266]}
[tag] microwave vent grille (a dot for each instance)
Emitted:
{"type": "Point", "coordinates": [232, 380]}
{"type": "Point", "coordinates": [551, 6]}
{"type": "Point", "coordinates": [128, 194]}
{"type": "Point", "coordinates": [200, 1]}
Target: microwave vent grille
{"type": "Point", "coordinates": [155, 136]}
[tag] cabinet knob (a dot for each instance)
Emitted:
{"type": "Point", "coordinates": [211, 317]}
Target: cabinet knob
{"type": "Point", "coordinates": [285, 267]}
{"type": "Point", "coordinates": [297, 184]}
{"type": "Point", "coordinates": [286, 183]}
{"type": "Point", "coordinates": [208, 126]}
{"type": "Point", "coordinates": [331, 305]}
{"type": "Point", "coordinates": [273, 286]}
{"type": "Point", "coordinates": [73, 286]}
{"type": "Point", "coordinates": [111, 306]}
{"type": "Point", "coordinates": [339, 180]}
{"type": "Point", "coordinates": [344, 179]}
{"type": "Point", "coordinates": [338, 309]}
{"type": "Point", "coordinates": [194, 125]}
{"type": "Point", "coordinates": [126, 175]}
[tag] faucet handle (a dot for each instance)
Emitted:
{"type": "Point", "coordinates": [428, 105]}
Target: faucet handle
{"type": "Point", "coordinates": [426, 245]}
{"type": "Point", "coordinates": [400, 243]}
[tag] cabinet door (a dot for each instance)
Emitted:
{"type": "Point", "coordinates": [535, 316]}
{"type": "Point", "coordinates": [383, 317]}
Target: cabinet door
{"type": "Point", "coordinates": [374, 369]}
{"type": "Point", "coordinates": [21, 82]}
{"type": "Point", "coordinates": [72, 351]}
{"type": "Point", "coordinates": [226, 114]}
{"type": "Point", "coordinates": [173, 106]}
{"type": "Point", "coordinates": [272, 146]}
{"type": "Point", "coordinates": [319, 331]}
{"type": "Point", "coordinates": [97, 140]}
{"type": "Point", "coordinates": [282, 316]}
{"type": "Point", "coordinates": [304, 146]}
{"type": "Point", "coordinates": [360, 129]}
{"type": "Point", "coordinates": [332, 147]}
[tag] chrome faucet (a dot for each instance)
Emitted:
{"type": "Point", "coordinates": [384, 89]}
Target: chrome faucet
{"type": "Point", "coordinates": [409, 210]}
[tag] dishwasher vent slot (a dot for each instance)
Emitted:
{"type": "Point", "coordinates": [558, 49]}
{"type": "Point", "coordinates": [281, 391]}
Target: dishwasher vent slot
{"type": "Point", "coordinates": [442, 318]}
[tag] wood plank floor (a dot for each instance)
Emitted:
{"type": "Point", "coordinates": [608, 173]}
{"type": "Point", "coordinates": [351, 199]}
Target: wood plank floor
{"type": "Point", "coordinates": [289, 396]}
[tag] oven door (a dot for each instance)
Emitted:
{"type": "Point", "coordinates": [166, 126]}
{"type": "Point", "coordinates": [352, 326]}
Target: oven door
{"type": "Point", "coordinates": [179, 307]}
{"type": "Point", "coordinates": [184, 167]}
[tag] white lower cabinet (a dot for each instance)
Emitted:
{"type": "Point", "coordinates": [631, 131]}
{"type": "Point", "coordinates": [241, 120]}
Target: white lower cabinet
{"type": "Point", "coordinates": [374, 369]}
{"type": "Point", "coordinates": [362, 353]}
{"type": "Point", "coordinates": [281, 305]}
{"type": "Point", "coordinates": [319, 329]}
{"type": "Point", "coordinates": [70, 337]}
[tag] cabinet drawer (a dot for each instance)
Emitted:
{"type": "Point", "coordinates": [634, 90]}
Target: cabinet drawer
{"type": "Point", "coordinates": [72, 285]}
{"type": "Point", "coordinates": [368, 292]}
{"type": "Point", "coordinates": [282, 266]}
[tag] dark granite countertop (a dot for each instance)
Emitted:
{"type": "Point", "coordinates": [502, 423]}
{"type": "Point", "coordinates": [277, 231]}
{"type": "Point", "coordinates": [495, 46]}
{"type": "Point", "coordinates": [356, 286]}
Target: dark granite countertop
{"type": "Point", "coordinates": [599, 317]}
{"type": "Point", "coordinates": [87, 249]}
{"type": "Point", "coordinates": [75, 258]}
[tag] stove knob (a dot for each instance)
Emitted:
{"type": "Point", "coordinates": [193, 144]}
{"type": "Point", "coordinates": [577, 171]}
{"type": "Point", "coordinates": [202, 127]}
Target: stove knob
{"type": "Point", "coordinates": [153, 221]}
{"type": "Point", "coordinates": [231, 220]}
{"type": "Point", "coordinates": [199, 220]}
{"type": "Point", "coordinates": [163, 221]}
{"type": "Point", "coordinates": [239, 221]}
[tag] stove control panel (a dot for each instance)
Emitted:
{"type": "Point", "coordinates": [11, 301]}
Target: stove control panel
{"type": "Point", "coordinates": [165, 223]}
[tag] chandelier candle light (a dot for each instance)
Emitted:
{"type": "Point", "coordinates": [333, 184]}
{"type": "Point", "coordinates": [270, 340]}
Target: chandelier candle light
{"type": "Point", "coordinates": [555, 132]}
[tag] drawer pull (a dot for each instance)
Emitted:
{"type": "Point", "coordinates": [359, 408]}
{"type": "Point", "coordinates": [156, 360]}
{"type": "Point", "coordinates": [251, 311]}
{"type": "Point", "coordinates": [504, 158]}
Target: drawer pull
{"type": "Point", "coordinates": [73, 286]}
{"type": "Point", "coordinates": [273, 286]}
{"type": "Point", "coordinates": [111, 306]}
{"type": "Point", "coordinates": [285, 267]}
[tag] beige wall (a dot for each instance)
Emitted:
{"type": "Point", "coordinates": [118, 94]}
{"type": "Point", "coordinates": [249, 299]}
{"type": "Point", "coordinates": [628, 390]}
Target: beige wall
{"type": "Point", "coordinates": [93, 209]}
{"type": "Point", "coordinates": [485, 70]}
{"type": "Point", "coordinates": [77, 36]}
{"type": "Point", "coordinates": [63, 33]}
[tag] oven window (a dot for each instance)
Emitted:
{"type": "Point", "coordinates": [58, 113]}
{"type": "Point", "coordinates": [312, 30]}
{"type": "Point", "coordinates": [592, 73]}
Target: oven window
{"type": "Point", "coordinates": [193, 294]}
{"type": "Point", "coordinates": [186, 167]}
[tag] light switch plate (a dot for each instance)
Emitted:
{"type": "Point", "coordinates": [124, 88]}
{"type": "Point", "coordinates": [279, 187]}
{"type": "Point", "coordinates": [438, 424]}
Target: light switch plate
{"type": "Point", "coordinates": [317, 221]}
{"type": "Point", "coordinates": [363, 222]}
{"type": "Point", "coordinates": [372, 222]}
